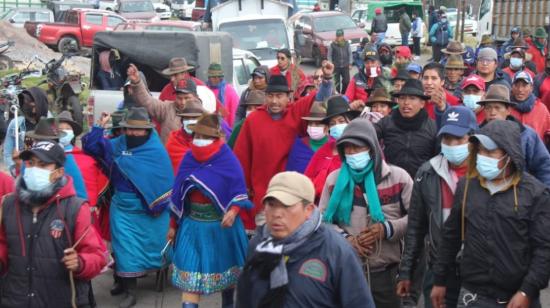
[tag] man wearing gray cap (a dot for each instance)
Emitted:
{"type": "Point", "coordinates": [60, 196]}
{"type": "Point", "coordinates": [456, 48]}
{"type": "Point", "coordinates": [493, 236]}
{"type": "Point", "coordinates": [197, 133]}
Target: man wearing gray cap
{"type": "Point", "coordinates": [487, 68]}
{"type": "Point", "coordinates": [296, 261]}
{"type": "Point", "coordinates": [497, 229]}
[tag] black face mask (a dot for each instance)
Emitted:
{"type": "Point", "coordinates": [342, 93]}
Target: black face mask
{"type": "Point", "coordinates": [136, 141]}
{"type": "Point", "coordinates": [386, 59]}
{"type": "Point", "coordinates": [28, 110]}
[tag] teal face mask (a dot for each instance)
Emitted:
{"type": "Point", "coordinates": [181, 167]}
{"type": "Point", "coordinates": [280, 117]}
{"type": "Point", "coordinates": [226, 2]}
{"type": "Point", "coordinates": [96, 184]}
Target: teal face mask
{"type": "Point", "coordinates": [358, 161]}
{"type": "Point", "coordinates": [337, 130]}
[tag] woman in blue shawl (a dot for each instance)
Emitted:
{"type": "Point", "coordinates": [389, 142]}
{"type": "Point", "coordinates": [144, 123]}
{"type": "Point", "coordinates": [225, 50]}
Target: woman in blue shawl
{"type": "Point", "coordinates": [210, 243]}
{"type": "Point", "coordinates": [141, 173]}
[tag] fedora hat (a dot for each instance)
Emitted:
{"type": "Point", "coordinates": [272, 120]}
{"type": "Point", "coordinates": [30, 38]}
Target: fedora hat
{"type": "Point", "coordinates": [316, 113]}
{"type": "Point", "coordinates": [454, 48]}
{"type": "Point", "coordinates": [487, 39]}
{"type": "Point", "coordinates": [455, 61]}
{"type": "Point", "coordinates": [66, 117]}
{"type": "Point", "coordinates": [207, 125]}
{"type": "Point", "coordinates": [380, 95]}
{"type": "Point", "coordinates": [255, 98]}
{"type": "Point", "coordinates": [137, 117]}
{"type": "Point", "coordinates": [116, 118]}
{"type": "Point", "coordinates": [193, 108]}
{"type": "Point", "coordinates": [177, 65]}
{"type": "Point", "coordinates": [412, 87]}
{"type": "Point", "coordinates": [337, 105]}
{"type": "Point", "coordinates": [46, 129]}
{"type": "Point", "coordinates": [277, 83]}
{"type": "Point", "coordinates": [497, 93]}
{"type": "Point", "coordinates": [401, 75]}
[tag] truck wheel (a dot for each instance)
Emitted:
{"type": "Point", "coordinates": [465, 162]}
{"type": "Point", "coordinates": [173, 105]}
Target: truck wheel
{"type": "Point", "coordinates": [317, 56]}
{"type": "Point", "coordinates": [76, 109]}
{"type": "Point", "coordinates": [65, 43]}
{"type": "Point", "coordinates": [5, 63]}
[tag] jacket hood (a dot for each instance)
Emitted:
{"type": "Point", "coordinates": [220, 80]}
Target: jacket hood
{"type": "Point", "coordinates": [61, 189]}
{"type": "Point", "coordinates": [40, 99]}
{"type": "Point", "coordinates": [362, 130]}
{"type": "Point", "coordinates": [507, 135]}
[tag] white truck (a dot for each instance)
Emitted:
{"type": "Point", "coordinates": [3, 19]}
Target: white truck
{"type": "Point", "coordinates": [259, 26]}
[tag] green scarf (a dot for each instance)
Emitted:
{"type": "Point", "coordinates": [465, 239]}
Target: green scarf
{"type": "Point", "coordinates": [340, 203]}
{"type": "Point", "coordinates": [316, 144]}
{"type": "Point", "coordinates": [540, 46]}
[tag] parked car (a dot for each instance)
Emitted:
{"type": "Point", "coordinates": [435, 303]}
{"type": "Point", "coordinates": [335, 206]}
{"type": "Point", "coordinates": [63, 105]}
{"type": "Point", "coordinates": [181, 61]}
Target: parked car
{"type": "Point", "coordinates": [76, 31]}
{"type": "Point", "coordinates": [163, 11]}
{"type": "Point", "coordinates": [470, 25]}
{"type": "Point", "coordinates": [183, 9]}
{"type": "Point", "coordinates": [60, 8]}
{"type": "Point", "coordinates": [18, 16]}
{"type": "Point", "coordinates": [315, 31]}
{"type": "Point", "coordinates": [138, 10]}
{"type": "Point", "coordinates": [172, 25]}
{"type": "Point", "coordinates": [244, 63]}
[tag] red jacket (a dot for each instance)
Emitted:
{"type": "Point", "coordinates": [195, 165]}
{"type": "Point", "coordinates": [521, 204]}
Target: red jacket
{"type": "Point", "coordinates": [451, 100]}
{"type": "Point", "coordinates": [91, 249]}
{"type": "Point", "coordinates": [177, 145]}
{"type": "Point", "coordinates": [538, 58]}
{"type": "Point", "coordinates": [538, 118]}
{"type": "Point", "coordinates": [7, 185]}
{"type": "Point", "coordinates": [511, 73]}
{"type": "Point", "coordinates": [321, 165]}
{"type": "Point", "coordinates": [544, 89]}
{"type": "Point", "coordinates": [263, 146]}
{"type": "Point", "coordinates": [292, 84]}
{"type": "Point", "coordinates": [95, 180]}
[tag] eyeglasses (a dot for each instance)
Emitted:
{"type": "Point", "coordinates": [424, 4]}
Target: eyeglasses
{"type": "Point", "coordinates": [281, 58]}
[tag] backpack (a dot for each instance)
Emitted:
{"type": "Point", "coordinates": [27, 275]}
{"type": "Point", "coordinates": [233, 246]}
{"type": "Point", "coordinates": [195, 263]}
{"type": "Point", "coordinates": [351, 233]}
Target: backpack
{"type": "Point", "coordinates": [442, 34]}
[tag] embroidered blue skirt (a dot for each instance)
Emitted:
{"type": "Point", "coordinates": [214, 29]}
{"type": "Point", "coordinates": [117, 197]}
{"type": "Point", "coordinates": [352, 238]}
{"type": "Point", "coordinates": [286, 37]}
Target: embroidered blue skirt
{"type": "Point", "coordinates": [137, 238]}
{"type": "Point", "coordinates": [207, 257]}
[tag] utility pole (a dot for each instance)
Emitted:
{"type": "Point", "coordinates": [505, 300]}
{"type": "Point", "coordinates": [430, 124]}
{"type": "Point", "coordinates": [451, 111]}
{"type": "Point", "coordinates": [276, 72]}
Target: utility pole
{"type": "Point", "coordinates": [463, 11]}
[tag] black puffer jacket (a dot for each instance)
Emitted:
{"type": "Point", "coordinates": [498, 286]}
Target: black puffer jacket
{"type": "Point", "coordinates": [507, 243]}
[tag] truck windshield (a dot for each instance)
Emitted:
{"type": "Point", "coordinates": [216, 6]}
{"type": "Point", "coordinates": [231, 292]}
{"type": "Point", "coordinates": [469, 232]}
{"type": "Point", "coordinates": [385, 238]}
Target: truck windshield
{"type": "Point", "coordinates": [331, 23]}
{"type": "Point", "coordinates": [136, 6]}
{"type": "Point", "coordinates": [257, 34]}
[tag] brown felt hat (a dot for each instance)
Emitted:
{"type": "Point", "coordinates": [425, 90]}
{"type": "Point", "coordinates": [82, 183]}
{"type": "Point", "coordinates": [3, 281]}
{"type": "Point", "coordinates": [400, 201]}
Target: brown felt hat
{"type": "Point", "coordinates": [455, 61]}
{"type": "Point", "coordinates": [454, 48]}
{"type": "Point", "coordinates": [65, 116]}
{"type": "Point", "coordinates": [193, 108]}
{"type": "Point", "coordinates": [380, 95]}
{"type": "Point", "coordinates": [497, 93]}
{"type": "Point", "coordinates": [177, 65]}
{"type": "Point", "coordinates": [255, 98]}
{"type": "Point", "coordinates": [316, 113]}
{"type": "Point", "coordinates": [207, 125]}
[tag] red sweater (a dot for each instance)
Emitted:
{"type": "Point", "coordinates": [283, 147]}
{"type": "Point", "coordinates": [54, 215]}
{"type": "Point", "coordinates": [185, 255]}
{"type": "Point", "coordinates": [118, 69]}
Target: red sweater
{"type": "Point", "coordinates": [263, 146]}
{"type": "Point", "coordinates": [451, 100]}
{"type": "Point", "coordinates": [7, 185]}
{"type": "Point", "coordinates": [94, 179]}
{"type": "Point", "coordinates": [538, 58]}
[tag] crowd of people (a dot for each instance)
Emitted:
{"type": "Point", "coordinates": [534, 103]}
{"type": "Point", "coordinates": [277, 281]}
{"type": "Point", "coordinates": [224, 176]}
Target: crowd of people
{"type": "Point", "coordinates": [327, 190]}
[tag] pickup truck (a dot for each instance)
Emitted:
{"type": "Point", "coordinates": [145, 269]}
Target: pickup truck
{"type": "Point", "coordinates": [77, 29]}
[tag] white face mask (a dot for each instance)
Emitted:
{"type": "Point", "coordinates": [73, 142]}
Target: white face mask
{"type": "Point", "coordinates": [248, 112]}
{"type": "Point", "coordinates": [186, 125]}
{"type": "Point", "coordinates": [202, 142]}
{"type": "Point", "coordinates": [37, 179]}
{"type": "Point", "coordinates": [316, 132]}
{"type": "Point", "coordinates": [66, 140]}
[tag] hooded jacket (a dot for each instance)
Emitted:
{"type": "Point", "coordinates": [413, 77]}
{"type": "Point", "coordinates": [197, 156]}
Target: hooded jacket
{"type": "Point", "coordinates": [40, 99]}
{"type": "Point", "coordinates": [507, 243]}
{"type": "Point", "coordinates": [36, 277]}
{"type": "Point", "coordinates": [394, 188]}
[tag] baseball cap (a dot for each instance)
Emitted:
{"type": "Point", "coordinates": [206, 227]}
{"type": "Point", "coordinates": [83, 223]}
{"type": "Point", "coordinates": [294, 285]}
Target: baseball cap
{"type": "Point", "coordinates": [403, 51]}
{"type": "Point", "coordinates": [413, 67]}
{"type": "Point", "coordinates": [458, 121]}
{"type": "Point", "coordinates": [260, 72]}
{"type": "Point", "coordinates": [47, 151]}
{"type": "Point", "coordinates": [371, 55]}
{"type": "Point", "coordinates": [522, 75]}
{"type": "Point", "coordinates": [186, 86]}
{"type": "Point", "coordinates": [474, 80]}
{"type": "Point", "coordinates": [487, 52]}
{"type": "Point", "coordinates": [485, 140]}
{"type": "Point", "coordinates": [340, 32]}
{"type": "Point", "coordinates": [289, 188]}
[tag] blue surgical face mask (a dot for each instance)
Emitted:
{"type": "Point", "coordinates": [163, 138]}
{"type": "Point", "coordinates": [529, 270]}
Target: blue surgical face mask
{"type": "Point", "coordinates": [202, 142]}
{"type": "Point", "coordinates": [186, 125]}
{"type": "Point", "coordinates": [455, 154]}
{"type": "Point", "coordinates": [443, 20]}
{"type": "Point", "coordinates": [66, 140]}
{"type": "Point", "coordinates": [337, 130]}
{"type": "Point", "coordinates": [37, 179]}
{"type": "Point", "coordinates": [488, 166]}
{"type": "Point", "coordinates": [516, 62]}
{"type": "Point", "coordinates": [358, 161]}
{"type": "Point", "coordinates": [471, 100]}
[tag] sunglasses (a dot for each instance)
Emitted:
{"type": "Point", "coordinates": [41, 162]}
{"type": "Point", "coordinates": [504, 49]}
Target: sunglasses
{"type": "Point", "coordinates": [281, 58]}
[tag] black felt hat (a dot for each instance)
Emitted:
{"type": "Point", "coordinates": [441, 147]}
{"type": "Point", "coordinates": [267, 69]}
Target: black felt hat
{"type": "Point", "coordinates": [412, 87]}
{"type": "Point", "coordinates": [277, 83]}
